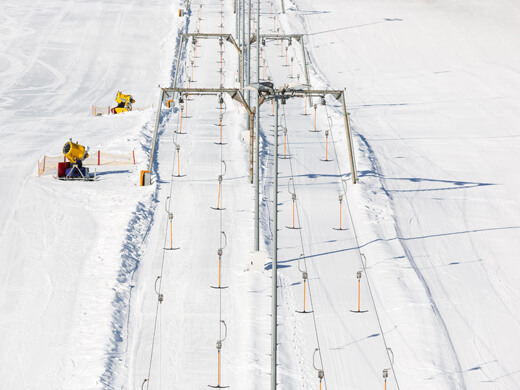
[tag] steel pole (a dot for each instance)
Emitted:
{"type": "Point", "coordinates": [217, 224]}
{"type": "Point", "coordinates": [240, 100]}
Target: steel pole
{"type": "Point", "coordinates": [349, 141]}
{"type": "Point", "coordinates": [249, 57]}
{"type": "Point", "coordinates": [274, 323]}
{"type": "Point", "coordinates": [156, 128]}
{"type": "Point", "coordinates": [237, 32]}
{"type": "Point", "coordinates": [243, 33]}
{"type": "Point", "coordinates": [257, 140]}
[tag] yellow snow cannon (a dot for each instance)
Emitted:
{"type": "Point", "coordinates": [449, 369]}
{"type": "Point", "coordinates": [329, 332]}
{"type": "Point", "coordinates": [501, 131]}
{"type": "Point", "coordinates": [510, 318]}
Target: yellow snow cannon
{"type": "Point", "coordinates": [124, 103]}
{"type": "Point", "coordinates": [74, 152]}
{"type": "Point", "coordinates": [74, 169]}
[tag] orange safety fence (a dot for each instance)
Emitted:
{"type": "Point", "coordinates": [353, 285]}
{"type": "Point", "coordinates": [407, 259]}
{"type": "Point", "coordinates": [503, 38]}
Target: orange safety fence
{"type": "Point", "coordinates": [99, 111]}
{"type": "Point", "coordinates": [49, 164]}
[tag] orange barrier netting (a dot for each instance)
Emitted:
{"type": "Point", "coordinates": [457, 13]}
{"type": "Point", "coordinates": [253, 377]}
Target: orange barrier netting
{"type": "Point", "coordinates": [98, 111]}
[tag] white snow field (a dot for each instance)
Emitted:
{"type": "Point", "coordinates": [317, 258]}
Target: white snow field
{"type": "Point", "coordinates": [432, 92]}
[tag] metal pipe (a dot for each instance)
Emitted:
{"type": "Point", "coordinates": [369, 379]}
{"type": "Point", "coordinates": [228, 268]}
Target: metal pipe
{"type": "Point", "coordinates": [237, 31]}
{"type": "Point", "coordinates": [251, 145]}
{"type": "Point", "coordinates": [349, 141]}
{"type": "Point", "coordinates": [243, 34]}
{"type": "Point", "coordinates": [157, 119]}
{"type": "Point", "coordinates": [305, 69]}
{"type": "Point", "coordinates": [257, 131]}
{"type": "Point", "coordinates": [248, 81]}
{"type": "Point", "coordinates": [274, 323]}
{"type": "Point", "coordinates": [178, 62]}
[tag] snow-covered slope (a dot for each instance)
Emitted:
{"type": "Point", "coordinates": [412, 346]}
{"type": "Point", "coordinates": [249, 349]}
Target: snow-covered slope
{"type": "Point", "coordinates": [432, 89]}
{"type": "Point", "coordinates": [63, 244]}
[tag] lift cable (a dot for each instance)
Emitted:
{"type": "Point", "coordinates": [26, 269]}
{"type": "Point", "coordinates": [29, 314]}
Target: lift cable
{"type": "Point", "coordinates": [360, 254]}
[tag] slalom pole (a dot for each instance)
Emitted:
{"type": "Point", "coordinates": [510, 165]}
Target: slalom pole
{"type": "Point", "coordinates": [315, 110]}
{"type": "Point", "coordinates": [170, 218]}
{"type": "Point", "coordinates": [219, 268]}
{"type": "Point", "coordinates": [182, 113]}
{"type": "Point", "coordinates": [220, 125]}
{"type": "Point", "coordinates": [219, 254]}
{"type": "Point", "coordinates": [358, 275]}
{"type": "Point", "coordinates": [178, 147]}
{"type": "Point", "coordinates": [340, 199]}
{"type": "Point", "coordinates": [326, 147]}
{"type": "Point", "coordinates": [219, 348]}
{"type": "Point", "coordinates": [293, 196]}
{"type": "Point", "coordinates": [219, 190]}
{"type": "Point", "coordinates": [359, 291]}
{"type": "Point", "coordinates": [293, 200]}
{"type": "Point", "coordinates": [340, 214]}
{"type": "Point", "coordinates": [304, 277]}
{"type": "Point", "coordinates": [321, 373]}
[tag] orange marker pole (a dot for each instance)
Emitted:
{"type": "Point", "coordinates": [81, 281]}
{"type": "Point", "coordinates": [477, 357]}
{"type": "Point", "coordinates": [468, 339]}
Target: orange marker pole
{"type": "Point", "coordinates": [327, 148]}
{"type": "Point", "coordinates": [171, 235]}
{"type": "Point", "coordinates": [315, 117]}
{"type": "Point", "coordinates": [218, 369]}
{"type": "Point", "coordinates": [219, 264]}
{"type": "Point", "coordinates": [178, 164]}
{"type": "Point", "coordinates": [358, 295]}
{"type": "Point", "coordinates": [293, 213]}
{"type": "Point", "coordinates": [284, 143]}
{"type": "Point", "coordinates": [220, 124]}
{"type": "Point", "coordinates": [180, 130]}
{"type": "Point", "coordinates": [218, 198]}
{"type": "Point", "coordinates": [281, 48]}
{"type": "Point", "coordinates": [339, 215]}
{"type": "Point", "coordinates": [304, 283]}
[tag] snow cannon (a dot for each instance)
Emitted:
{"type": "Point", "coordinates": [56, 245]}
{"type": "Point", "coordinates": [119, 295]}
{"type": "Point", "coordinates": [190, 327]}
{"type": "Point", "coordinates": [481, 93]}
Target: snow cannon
{"type": "Point", "coordinates": [74, 152]}
{"type": "Point", "coordinates": [124, 103]}
{"type": "Point", "coordinates": [74, 169]}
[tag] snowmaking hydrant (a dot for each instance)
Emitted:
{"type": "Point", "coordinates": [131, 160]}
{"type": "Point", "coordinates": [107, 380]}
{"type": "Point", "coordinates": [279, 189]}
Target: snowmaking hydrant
{"type": "Point", "coordinates": [124, 103]}
{"type": "Point", "coordinates": [74, 169]}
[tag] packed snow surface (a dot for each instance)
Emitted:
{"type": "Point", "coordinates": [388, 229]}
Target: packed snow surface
{"type": "Point", "coordinates": [432, 91]}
